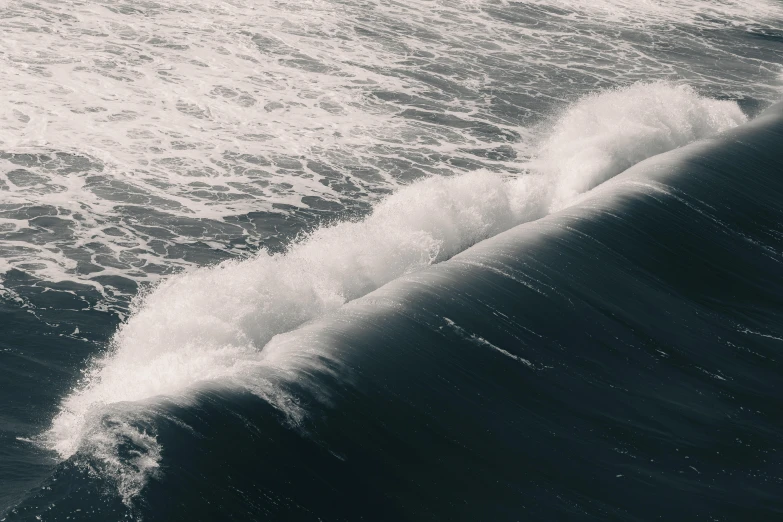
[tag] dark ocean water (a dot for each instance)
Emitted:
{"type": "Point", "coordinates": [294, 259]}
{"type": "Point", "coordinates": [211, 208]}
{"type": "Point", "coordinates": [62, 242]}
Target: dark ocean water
{"type": "Point", "coordinates": [415, 261]}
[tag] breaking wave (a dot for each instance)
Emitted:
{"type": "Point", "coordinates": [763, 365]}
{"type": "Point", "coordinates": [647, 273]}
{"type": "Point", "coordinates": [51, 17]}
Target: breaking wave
{"type": "Point", "coordinates": [213, 323]}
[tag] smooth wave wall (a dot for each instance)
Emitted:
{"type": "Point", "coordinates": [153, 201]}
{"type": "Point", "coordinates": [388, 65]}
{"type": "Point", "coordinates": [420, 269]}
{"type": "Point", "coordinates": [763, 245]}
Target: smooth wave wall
{"type": "Point", "coordinates": [580, 367]}
{"type": "Point", "coordinates": [213, 323]}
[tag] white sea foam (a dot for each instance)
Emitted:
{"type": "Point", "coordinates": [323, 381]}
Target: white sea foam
{"type": "Point", "coordinates": [213, 323]}
{"type": "Point", "coordinates": [702, 13]}
{"type": "Point", "coordinates": [210, 110]}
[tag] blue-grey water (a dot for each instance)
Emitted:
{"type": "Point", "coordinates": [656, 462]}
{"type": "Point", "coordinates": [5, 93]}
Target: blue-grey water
{"type": "Point", "coordinates": [416, 260]}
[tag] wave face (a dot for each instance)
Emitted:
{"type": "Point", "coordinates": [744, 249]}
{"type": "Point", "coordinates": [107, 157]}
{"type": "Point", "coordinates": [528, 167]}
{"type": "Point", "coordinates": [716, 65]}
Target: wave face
{"type": "Point", "coordinates": [213, 323]}
{"type": "Point", "coordinates": [626, 343]}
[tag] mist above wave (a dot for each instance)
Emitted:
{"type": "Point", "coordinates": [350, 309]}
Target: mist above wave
{"type": "Point", "coordinates": [212, 323]}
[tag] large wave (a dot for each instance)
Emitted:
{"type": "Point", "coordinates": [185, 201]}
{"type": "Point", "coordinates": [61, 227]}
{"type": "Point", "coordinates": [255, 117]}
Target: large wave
{"type": "Point", "coordinates": [212, 323]}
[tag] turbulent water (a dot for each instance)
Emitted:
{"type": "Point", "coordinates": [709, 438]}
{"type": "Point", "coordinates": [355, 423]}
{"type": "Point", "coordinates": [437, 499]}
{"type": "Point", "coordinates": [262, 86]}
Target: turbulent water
{"type": "Point", "coordinates": [416, 260]}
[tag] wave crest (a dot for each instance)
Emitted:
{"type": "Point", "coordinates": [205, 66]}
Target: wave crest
{"type": "Point", "coordinates": [605, 134]}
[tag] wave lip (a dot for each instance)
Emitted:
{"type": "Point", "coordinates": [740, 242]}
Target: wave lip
{"type": "Point", "coordinates": [213, 323]}
{"type": "Point", "coordinates": [606, 133]}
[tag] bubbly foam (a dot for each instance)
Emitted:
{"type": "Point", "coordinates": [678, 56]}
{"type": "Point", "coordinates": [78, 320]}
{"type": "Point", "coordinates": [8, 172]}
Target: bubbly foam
{"type": "Point", "coordinates": [702, 13]}
{"type": "Point", "coordinates": [211, 110]}
{"type": "Point", "coordinates": [213, 323]}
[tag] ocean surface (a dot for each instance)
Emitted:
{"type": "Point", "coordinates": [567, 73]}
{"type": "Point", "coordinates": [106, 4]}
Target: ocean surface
{"type": "Point", "coordinates": [342, 260]}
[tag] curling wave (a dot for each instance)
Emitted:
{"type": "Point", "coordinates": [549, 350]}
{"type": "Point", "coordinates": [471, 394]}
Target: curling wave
{"type": "Point", "coordinates": [213, 323]}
